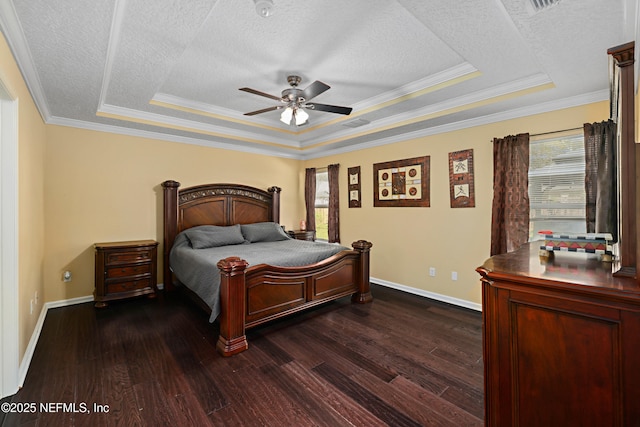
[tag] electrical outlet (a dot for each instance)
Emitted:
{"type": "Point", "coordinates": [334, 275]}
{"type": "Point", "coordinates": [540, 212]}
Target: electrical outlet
{"type": "Point", "coordinates": [432, 271]}
{"type": "Point", "coordinates": [66, 276]}
{"type": "Point", "coordinates": [454, 275]}
{"type": "Point", "coordinates": [31, 309]}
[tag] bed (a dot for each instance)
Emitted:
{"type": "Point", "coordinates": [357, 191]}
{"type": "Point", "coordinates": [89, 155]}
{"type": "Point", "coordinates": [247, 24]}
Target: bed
{"type": "Point", "coordinates": [252, 294]}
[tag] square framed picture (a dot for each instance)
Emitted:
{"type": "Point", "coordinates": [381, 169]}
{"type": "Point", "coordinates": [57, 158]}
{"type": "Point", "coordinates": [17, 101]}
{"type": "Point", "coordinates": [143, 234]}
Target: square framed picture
{"type": "Point", "coordinates": [402, 183]}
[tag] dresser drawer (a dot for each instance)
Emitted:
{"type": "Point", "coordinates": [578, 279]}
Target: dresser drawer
{"type": "Point", "coordinates": [127, 257]}
{"type": "Point", "coordinates": [132, 285]}
{"type": "Point", "coordinates": [127, 271]}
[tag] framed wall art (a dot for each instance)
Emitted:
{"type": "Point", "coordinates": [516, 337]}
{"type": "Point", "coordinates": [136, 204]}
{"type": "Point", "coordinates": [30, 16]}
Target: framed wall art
{"type": "Point", "coordinates": [461, 188]}
{"type": "Point", "coordinates": [402, 183]}
{"type": "Point", "coordinates": [354, 187]}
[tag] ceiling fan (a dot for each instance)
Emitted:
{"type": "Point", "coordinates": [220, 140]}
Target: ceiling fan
{"type": "Point", "coordinates": [295, 101]}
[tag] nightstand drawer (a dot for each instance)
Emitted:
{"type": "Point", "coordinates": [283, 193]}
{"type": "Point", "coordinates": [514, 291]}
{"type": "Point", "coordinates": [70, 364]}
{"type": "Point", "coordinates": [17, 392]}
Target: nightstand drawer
{"type": "Point", "coordinates": [127, 271]}
{"type": "Point", "coordinates": [128, 257]}
{"type": "Point", "coordinates": [113, 288]}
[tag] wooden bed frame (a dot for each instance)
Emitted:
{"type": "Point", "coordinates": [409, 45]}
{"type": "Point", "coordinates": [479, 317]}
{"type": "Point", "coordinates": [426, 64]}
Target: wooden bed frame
{"type": "Point", "coordinates": [250, 296]}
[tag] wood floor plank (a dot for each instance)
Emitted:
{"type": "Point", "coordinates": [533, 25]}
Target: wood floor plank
{"type": "Point", "coordinates": [350, 411]}
{"type": "Point", "coordinates": [120, 397]}
{"type": "Point", "coordinates": [296, 393]}
{"type": "Point", "coordinates": [154, 406]}
{"type": "Point", "coordinates": [423, 406]}
{"type": "Point", "coordinates": [263, 402]}
{"type": "Point", "coordinates": [365, 398]}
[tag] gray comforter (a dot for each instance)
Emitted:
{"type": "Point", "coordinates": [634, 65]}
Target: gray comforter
{"type": "Point", "coordinates": [196, 268]}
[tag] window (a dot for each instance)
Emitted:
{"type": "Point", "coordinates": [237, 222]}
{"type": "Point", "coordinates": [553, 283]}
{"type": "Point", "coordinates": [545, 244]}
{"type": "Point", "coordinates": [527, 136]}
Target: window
{"type": "Point", "coordinates": [322, 204]}
{"type": "Point", "coordinates": [556, 186]}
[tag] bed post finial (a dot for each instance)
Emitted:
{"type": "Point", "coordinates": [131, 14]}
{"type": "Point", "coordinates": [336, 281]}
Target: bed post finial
{"type": "Point", "coordinates": [363, 295]}
{"type": "Point", "coordinates": [170, 228]}
{"type": "Point", "coordinates": [275, 203]}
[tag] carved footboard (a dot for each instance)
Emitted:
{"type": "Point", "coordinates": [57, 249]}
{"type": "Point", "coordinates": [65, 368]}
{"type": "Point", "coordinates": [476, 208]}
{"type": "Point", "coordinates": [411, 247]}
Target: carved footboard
{"type": "Point", "coordinates": [251, 296]}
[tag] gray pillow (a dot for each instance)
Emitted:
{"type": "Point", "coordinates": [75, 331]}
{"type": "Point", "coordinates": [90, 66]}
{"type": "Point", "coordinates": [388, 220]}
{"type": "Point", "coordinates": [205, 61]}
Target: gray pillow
{"type": "Point", "coordinates": [211, 236]}
{"type": "Point", "coordinates": [264, 232]}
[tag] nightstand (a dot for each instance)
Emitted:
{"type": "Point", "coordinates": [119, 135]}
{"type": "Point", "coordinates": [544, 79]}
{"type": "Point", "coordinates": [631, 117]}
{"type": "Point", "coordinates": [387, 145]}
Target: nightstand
{"type": "Point", "coordinates": [303, 234]}
{"type": "Point", "coordinates": [124, 270]}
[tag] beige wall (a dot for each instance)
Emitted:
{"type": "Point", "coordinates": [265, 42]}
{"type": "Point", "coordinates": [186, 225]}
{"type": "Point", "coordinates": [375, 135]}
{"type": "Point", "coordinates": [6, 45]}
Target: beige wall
{"type": "Point", "coordinates": [31, 150]}
{"type": "Point", "coordinates": [407, 241]}
{"type": "Point", "coordinates": [103, 187]}
{"type": "Point", "coordinates": [78, 187]}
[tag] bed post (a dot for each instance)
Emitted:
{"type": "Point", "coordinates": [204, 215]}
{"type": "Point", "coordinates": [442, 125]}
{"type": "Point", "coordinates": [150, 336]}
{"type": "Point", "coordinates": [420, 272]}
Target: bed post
{"type": "Point", "coordinates": [232, 338]}
{"type": "Point", "coordinates": [275, 203]}
{"type": "Point", "coordinates": [170, 228]}
{"type": "Point", "coordinates": [363, 295]}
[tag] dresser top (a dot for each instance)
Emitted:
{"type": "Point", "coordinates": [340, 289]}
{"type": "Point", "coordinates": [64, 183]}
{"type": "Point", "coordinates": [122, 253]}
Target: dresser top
{"type": "Point", "coordinates": [580, 272]}
{"type": "Point", "coordinates": [127, 244]}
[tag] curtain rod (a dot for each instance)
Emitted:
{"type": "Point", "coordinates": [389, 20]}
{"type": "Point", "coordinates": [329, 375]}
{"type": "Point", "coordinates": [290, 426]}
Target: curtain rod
{"type": "Point", "coordinates": [555, 131]}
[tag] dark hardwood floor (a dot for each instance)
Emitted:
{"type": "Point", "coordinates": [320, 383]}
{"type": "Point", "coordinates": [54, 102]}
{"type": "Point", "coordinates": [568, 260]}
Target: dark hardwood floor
{"type": "Point", "coordinates": [401, 361]}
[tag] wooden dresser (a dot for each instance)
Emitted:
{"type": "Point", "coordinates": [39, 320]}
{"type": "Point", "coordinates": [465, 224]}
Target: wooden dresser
{"type": "Point", "coordinates": [561, 341]}
{"type": "Point", "coordinates": [124, 270]}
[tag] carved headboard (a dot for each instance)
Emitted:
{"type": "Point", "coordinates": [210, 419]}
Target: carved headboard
{"type": "Point", "coordinates": [213, 204]}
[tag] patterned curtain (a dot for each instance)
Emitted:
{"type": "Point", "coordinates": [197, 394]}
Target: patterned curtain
{"type": "Point", "coordinates": [310, 197]}
{"type": "Point", "coordinates": [334, 204]}
{"type": "Point", "coordinates": [510, 211]}
{"type": "Point", "coordinates": [600, 177]}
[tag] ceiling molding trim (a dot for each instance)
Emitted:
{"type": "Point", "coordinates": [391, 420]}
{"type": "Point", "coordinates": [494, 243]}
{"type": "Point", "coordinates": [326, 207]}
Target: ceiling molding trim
{"type": "Point", "coordinates": [194, 107]}
{"type": "Point", "coordinates": [429, 84]}
{"type": "Point", "coordinates": [10, 24]}
{"type": "Point", "coordinates": [435, 110]}
{"type": "Point", "coordinates": [414, 89]}
{"type": "Point", "coordinates": [127, 114]}
{"type": "Point", "coordinates": [100, 127]}
{"type": "Point", "coordinates": [545, 107]}
{"type": "Point", "coordinates": [114, 41]}
{"type": "Point", "coordinates": [419, 86]}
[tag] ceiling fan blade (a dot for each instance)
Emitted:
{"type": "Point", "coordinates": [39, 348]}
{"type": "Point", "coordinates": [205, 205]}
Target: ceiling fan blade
{"type": "Point", "coordinates": [329, 108]}
{"type": "Point", "coordinates": [257, 92]}
{"type": "Point", "coordinates": [264, 110]}
{"type": "Point", "coordinates": [314, 89]}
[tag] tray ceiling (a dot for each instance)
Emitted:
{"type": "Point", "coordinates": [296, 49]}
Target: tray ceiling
{"type": "Point", "coordinates": [171, 69]}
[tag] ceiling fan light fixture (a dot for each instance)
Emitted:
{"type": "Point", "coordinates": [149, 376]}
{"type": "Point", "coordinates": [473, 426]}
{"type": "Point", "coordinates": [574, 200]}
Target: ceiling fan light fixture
{"type": "Point", "coordinates": [286, 116]}
{"type": "Point", "coordinates": [301, 117]}
{"type": "Point", "coordinates": [293, 113]}
{"type": "Point", "coordinates": [264, 8]}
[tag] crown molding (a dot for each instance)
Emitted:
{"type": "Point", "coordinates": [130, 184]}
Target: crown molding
{"type": "Point", "coordinates": [544, 107]}
{"type": "Point", "coordinates": [426, 83]}
{"type": "Point", "coordinates": [137, 116]}
{"type": "Point", "coordinates": [100, 127]}
{"type": "Point", "coordinates": [114, 41]}
{"type": "Point", "coordinates": [495, 92]}
{"type": "Point", "coordinates": [9, 24]}
{"type": "Point", "coordinates": [373, 103]}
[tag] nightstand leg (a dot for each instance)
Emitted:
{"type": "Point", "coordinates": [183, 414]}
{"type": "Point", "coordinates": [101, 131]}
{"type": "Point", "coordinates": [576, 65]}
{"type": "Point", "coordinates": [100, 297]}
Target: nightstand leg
{"type": "Point", "coordinates": [100, 304]}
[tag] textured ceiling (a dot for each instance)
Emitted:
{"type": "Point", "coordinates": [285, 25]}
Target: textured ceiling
{"type": "Point", "coordinates": [171, 69]}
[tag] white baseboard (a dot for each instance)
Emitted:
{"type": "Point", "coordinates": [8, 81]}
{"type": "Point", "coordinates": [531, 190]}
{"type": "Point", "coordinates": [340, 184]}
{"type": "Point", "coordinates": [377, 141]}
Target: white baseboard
{"type": "Point", "coordinates": [438, 297]}
{"type": "Point", "coordinates": [35, 336]}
